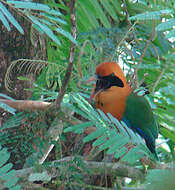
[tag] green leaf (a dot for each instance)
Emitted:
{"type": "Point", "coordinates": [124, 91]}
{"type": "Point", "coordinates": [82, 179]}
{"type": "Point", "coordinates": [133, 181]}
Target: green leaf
{"type": "Point", "coordinates": [100, 13]}
{"type": "Point", "coordinates": [54, 12]}
{"type": "Point", "coordinates": [14, 121]}
{"type": "Point", "coordinates": [8, 176]}
{"type": "Point", "coordinates": [120, 152]}
{"type": "Point", "coordinates": [29, 5]}
{"type": "Point", "coordinates": [54, 18]}
{"type": "Point", "coordinates": [7, 108]}
{"type": "Point", "coordinates": [111, 141]}
{"type": "Point", "coordinates": [86, 9]}
{"type": "Point", "coordinates": [93, 11]}
{"type": "Point", "coordinates": [170, 34]}
{"type": "Point", "coordinates": [94, 135]}
{"type": "Point", "coordinates": [4, 21]}
{"type": "Point", "coordinates": [38, 28]}
{"type": "Point", "coordinates": [45, 29]}
{"type": "Point", "coordinates": [100, 140]}
{"type": "Point", "coordinates": [10, 183]}
{"type": "Point", "coordinates": [46, 22]}
{"type": "Point", "coordinates": [168, 133]}
{"type": "Point", "coordinates": [66, 34]}
{"type": "Point", "coordinates": [166, 25]}
{"type": "Point", "coordinates": [11, 18]}
{"type": "Point", "coordinates": [5, 168]}
{"type": "Point", "coordinates": [133, 155]}
{"type": "Point", "coordinates": [154, 15]}
{"type": "Point", "coordinates": [81, 23]}
{"type": "Point", "coordinates": [4, 155]}
{"type": "Point", "coordinates": [117, 124]}
{"type": "Point", "coordinates": [78, 127]}
{"type": "Point", "coordinates": [103, 115]}
{"type": "Point", "coordinates": [119, 143]}
{"type": "Point", "coordinates": [116, 5]}
{"type": "Point", "coordinates": [7, 97]}
{"type": "Point", "coordinates": [109, 8]}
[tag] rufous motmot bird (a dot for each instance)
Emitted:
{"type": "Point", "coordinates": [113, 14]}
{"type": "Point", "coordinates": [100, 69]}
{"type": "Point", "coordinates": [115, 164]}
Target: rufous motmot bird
{"type": "Point", "coordinates": [113, 95]}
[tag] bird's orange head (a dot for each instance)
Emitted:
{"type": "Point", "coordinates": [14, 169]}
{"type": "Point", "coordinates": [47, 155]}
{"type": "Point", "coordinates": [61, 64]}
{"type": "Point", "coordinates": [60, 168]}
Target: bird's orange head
{"type": "Point", "coordinates": [110, 68]}
{"type": "Point", "coordinates": [109, 74]}
{"type": "Point", "coordinates": [111, 89]}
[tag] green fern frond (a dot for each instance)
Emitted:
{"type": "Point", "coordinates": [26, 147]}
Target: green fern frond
{"type": "Point", "coordinates": [154, 15]}
{"type": "Point", "coordinates": [45, 21]}
{"type": "Point", "coordinates": [110, 134]}
{"type": "Point", "coordinates": [31, 6]}
{"type": "Point", "coordinates": [26, 66]}
{"type": "Point", "coordinates": [93, 14]}
{"type": "Point", "coordinates": [44, 28]}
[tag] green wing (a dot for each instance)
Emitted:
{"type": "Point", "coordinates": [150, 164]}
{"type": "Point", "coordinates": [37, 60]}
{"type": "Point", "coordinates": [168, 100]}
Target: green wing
{"type": "Point", "coordinates": [139, 116]}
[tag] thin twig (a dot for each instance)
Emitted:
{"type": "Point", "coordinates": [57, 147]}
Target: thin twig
{"type": "Point", "coordinates": [53, 135]}
{"type": "Point", "coordinates": [159, 78]}
{"type": "Point", "coordinates": [127, 33]}
{"type": "Point", "coordinates": [71, 55]}
{"type": "Point", "coordinates": [135, 75]}
{"type": "Point", "coordinates": [127, 13]}
{"type": "Point", "coordinates": [79, 57]}
{"type": "Point", "coordinates": [151, 37]}
{"type": "Point", "coordinates": [128, 21]}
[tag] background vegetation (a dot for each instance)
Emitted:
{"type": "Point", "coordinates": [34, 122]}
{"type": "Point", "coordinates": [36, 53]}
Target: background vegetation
{"type": "Point", "coordinates": [48, 50]}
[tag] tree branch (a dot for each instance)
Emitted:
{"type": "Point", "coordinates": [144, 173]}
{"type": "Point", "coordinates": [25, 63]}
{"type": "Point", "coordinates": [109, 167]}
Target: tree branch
{"type": "Point", "coordinates": [98, 168]}
{"type": "Point", "coordinates": [26, 105]}
{"type": "Point", "coordinates": [71, 56]}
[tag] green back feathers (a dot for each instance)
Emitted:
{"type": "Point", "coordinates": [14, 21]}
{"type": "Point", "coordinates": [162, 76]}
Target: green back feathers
{"type": "Point", "coordinates": [140, 118]}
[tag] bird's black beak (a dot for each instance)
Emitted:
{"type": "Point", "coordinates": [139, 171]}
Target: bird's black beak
{"type": "Point", "coordinates": [100, 86]}
{"type": "Point", "coordinates": [94, 90]}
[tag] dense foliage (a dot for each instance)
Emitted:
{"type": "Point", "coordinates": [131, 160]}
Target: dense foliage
{"type": "Point", "coordinates": [139, 35]}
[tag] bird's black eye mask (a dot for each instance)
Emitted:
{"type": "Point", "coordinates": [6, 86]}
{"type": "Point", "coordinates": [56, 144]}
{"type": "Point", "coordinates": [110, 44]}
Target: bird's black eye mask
{"type": "Point", "coordinates": [103, 83]}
